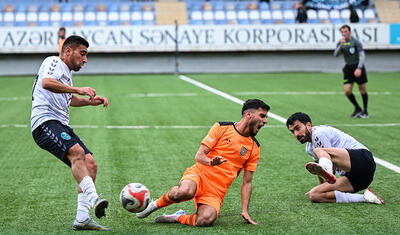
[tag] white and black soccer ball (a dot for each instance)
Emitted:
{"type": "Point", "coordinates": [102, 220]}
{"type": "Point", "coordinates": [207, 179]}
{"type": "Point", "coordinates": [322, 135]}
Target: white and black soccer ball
{"type": "Point", "coordinates": [135, 197]}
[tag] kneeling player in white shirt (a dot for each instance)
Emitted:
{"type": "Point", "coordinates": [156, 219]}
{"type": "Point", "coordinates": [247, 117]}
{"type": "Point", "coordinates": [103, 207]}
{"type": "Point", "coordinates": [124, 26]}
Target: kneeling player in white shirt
{"type": "Point", "coordinates": [334, 150]}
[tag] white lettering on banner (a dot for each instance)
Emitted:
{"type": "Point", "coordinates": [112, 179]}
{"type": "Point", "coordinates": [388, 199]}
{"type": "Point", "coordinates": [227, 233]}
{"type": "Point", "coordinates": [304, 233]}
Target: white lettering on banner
{"type": "Point", "coordinates": [196, 38]}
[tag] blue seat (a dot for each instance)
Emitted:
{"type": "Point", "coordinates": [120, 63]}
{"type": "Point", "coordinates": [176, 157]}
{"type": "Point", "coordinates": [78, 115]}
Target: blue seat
{"type": "Point", "coordinates": [196, 22]}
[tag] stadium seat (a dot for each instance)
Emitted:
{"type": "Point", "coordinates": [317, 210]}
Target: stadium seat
{"type": "Point", "coordinates": [113, 18]}
{"type": "Point", "coordinates": [312, 16]}
{"type": "Point", "coordinates": [20, 18]}
{"type": "Point", "coordinates": [323, 16]}
{"type": "Point", "coordinates": [208, 17]}
{"type": "Point", "coordinates": [124, 17]}
{"type": "Point", "coordinates": [148, 18]}
{"type": "Point", "coordinates": [264, 6]}
{"type": "Point", "coordinates": [252, 6]}
{"type": "Point", "coordinates": [1, 18]}
{"type": "Point", "coordinates": [266, 17]}
{"type": "Point", "coordinates": [277, 16]}
{"type": "Point", "coordinates": [334, 16]}
{"type": "Point", "coordinates": [218, 6]}
{"type": "Point", "coordinates": [136, 17]}
{"type": "Point", "coordinates": [254, 16]}
{"type": "Point", "coordinates": [43, 18]}
{"type": "Point", "coordinates": [289, 16]}
{"type": "Point", "coordinates": [370, 16]}
{"type": "Point", "coordinates": [345, 15]}
{"type": "Point", "coordinates": [231, 16]}
{"type": "Point", "coordinates": [219, 16]}
{"type": "Point", "coordinates": [90, 18]}
{"type": "Point", "coordinates": [275, 6]}
{"type": "Point", "coordinates": [243, 17]}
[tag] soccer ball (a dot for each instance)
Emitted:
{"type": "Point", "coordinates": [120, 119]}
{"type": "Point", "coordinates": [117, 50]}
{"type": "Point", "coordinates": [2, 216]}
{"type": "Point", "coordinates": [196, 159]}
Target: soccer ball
{"type": "Point", "coordinates": [135, 197]}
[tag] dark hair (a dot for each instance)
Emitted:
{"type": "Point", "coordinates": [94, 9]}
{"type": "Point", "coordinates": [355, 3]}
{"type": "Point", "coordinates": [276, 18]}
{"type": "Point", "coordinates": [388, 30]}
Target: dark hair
{"type": "Point", "coordinates": [254, 104]}
{"type": "Point", "coordinates": [345, 26]}
{"type": "Point", "coordinates": [74, 41]}
{"type": "Point", "coordinates": [302, 117]}
{"type": "Point", "coordinates": [61, 29]}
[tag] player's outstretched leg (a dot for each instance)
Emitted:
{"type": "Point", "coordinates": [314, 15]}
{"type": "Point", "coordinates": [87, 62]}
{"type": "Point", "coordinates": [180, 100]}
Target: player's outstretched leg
{"type": "Point", "coordinates": [173, 218]}
{"type": "Point", "coordinates": [88, 224]}
{"type": "Point", "coordinates": [149, 209]}
{"type": "Point", "coordinates": [371, 197]}
{"type": "Point", "coordinates": [317, 169]}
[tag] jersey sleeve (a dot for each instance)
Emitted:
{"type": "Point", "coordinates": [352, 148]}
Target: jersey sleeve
{"type": "Point", "coordinates": [213, 135]}
{"type": "Point", "coordinates": [251, 164]}
{"type": "Point", "coordinates": [52, 69]}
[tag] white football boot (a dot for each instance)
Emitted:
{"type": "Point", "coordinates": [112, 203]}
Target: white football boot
{"type": "Point", "coordinates": [169, 218]}
{"type": "Point", "coordinates": [317, 169]}
{"type": "Point", "coordinates": [149, 209]}
{"type": "Point", "coordinates": [372, 197]}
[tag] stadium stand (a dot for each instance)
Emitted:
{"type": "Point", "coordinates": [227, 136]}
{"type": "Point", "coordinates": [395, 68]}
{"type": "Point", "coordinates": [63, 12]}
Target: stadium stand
{"type": "Point", "coordinates": [16, 13]}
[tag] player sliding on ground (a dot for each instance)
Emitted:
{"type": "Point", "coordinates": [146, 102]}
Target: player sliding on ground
{"type": "Point", "coordinates": [333, 149]}
{"type": "Point", "coordinates": [228, 149]}
{"type": "Point", "coordinates": [52, 95]}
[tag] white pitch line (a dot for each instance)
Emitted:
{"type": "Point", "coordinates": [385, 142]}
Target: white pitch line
{"type": "Point", "coordinates": [274, 116]}
{"type": "Point", "coordinates": [304, 93]}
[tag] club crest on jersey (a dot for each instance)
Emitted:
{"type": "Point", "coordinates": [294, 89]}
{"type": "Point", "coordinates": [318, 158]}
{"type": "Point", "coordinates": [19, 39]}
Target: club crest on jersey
{"type": "Point", "coordinates": [352, 50]}
{"type": "Point", "coordinates": [243, 151]}
{"type": "Point", "coordinates": [65, 136]}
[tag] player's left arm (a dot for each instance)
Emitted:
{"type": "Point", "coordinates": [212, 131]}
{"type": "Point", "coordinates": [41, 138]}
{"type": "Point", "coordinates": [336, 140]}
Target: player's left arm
{"type": "Point", "coordinates": [77, 101]}
{"type": "Point", "coordinates": [361, 61]}
{"type": "Point", "coordinates": [246, 194]}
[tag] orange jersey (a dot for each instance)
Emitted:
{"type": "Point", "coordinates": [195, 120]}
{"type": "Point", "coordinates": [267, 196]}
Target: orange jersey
{"type": "Point", "coordinates": [241, 152]}
{"type": "Point", "coordinates": [60, 44]}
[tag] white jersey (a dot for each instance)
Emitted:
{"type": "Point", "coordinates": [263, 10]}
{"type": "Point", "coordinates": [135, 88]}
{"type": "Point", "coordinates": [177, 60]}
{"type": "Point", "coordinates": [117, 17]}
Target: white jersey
{"type": "Point", "coordinates": [47, 105]}
{"type": "Point", "coordinates": [330, 137]}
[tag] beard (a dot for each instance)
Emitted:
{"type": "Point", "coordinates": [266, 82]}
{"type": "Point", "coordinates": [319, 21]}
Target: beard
{"type": "Point", "coordinates": [307, 137]}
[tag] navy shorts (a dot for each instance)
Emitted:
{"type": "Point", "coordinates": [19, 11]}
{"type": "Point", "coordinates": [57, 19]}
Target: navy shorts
{"type": "Point", "coordinates": [57, 139]}
{"type": "Point", "coordinates": [348, 74]}
{"type": "Point", "coordinates": [362, 169]}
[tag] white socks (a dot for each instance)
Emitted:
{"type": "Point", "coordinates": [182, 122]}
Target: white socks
{"type": "Point", "coordinates": [326, 164]}
{"type": "Point", "coordinates": [348, 197]}
{"type": "Point", "coordinates": [82, 213]}
{"type": "Point", "coordinates": [89, 189]}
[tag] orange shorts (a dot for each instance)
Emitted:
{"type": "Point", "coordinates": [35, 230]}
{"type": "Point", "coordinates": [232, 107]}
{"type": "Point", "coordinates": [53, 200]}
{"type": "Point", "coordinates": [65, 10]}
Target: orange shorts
{"type": "Point", "coordinates": [205, 194]}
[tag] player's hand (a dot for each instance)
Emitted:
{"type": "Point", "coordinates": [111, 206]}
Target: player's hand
{"type": "Point", "coordinates": [87, 91]}
{"type": "Point", "coordinates": [218, 160]}
{"type": "Point", "coordinates": [100, 100]}
{"type": "Point", "coordinates": [342, 41]}
{"type": "Point", "coordinates": [246, 217]}
{"type": "Point", "coordinates": [357, 72]}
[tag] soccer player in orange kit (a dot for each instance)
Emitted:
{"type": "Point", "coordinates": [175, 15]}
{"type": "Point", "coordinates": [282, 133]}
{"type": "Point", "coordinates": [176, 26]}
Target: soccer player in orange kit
{"type": "Point", "coordinates": [229, 148]}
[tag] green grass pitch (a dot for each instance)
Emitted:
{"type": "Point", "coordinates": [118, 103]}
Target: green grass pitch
{"type": "Point", "coordinates": [38, 192]}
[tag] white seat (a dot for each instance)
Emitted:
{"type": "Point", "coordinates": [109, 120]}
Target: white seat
{"type": "Point", "coordinates": [8, 17]}
{"type": "Point", "coordinates": [32, 17]}
{"type": "Point", "coordinates": [323, 14]}
{"type": "Point", "coordinates": [19, 17]}
{"type": "Point", "coordinates": [219, 15]}
{"type": "Point", "coordinates": [265, 15]}
{"type": "Point", "coordinates": [55, 16]}
{"type": "Point", "coordinates": [101, 16]}
{"type": "Point", "coordinates": [148, 15]}
{"type": "Point", "coordinates": [113, 16]}
{"type": "Point", "coordinates": [242, 15]}
{"type": "Point", "coordinates": [360, 13]}
{"type": "Point", "coordinates": [196, 15]}
{"type": "Point", "coordinates": [124, 16]}
{"type": "Point", "coordinates": [277, 15]}
{"type": "Point", "coordinates": [90, 16]}
{"type": "Point", "coordinates": [312, 14]}
{"type": "Point", "coordinates": [288, 15]}
{"type": "Point", "coordinates": [345, 14]}
{"type": "Point", "coordinates": [78, 16]}
{"type": "Point", "coordinates": [254, 15]}
{"type": "Point", "coordinates": [369, 14]}
{"type": "Point", "coordinates": [334, 14]}
{"type": "Point", "coordinates": [231, 15]}
{"type": "Point", "coordinates": [136, 15]}
{"type": "Point", "coordinates": [1, 17]}
{"type": "Point", "coordinates": [208, 15]}
{"type": "Point", "coordinates": [66, 16]}
{"type": "Point", "coordinates": [43, 16]}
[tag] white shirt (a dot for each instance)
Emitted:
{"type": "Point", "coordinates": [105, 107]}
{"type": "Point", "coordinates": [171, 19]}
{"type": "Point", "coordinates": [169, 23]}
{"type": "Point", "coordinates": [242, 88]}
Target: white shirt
{"type": "Point", "coordinates": [47, 105]}
{"type": "Point", "coordinates": [330, 137]}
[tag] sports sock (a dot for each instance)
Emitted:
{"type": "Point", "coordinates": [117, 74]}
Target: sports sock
{"type": "Point", "coordinates": [348, 197]}
{"type": "Point", "coordinates": [164, 200]}
{"type": "Point", "coordinates": [188, 219]}
{"type": "Point", "coordinates": [326, 164]}
{"type": "Point", "coordinates": [89, 190]}
{"type": "Point", "coordinates": [82, 213]}
{"type": "Point", "coordinates": [365, 101]}
{"type": "Point", "coordinates": [353, 100]}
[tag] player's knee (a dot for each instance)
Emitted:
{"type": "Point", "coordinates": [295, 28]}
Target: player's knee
{"type": "Point", "coordinates": [205, 220]}
{"type": "Point", "coordinates": [91, 165]}
{"type": "Point", "coordinates": [348, 92]}
{"type": "Point", "coordinates": [76, 154]}
{"type": "Point", "coordinates": [186, 192]}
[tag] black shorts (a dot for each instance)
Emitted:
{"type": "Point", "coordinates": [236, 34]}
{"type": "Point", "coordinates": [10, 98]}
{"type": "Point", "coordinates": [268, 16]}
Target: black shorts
{"type": "Point", "coordinates": [57, 138]}
{"type": "Point", "coordinates": [348, 74]}
{"type": "Point", "coordinates": [362, 168]}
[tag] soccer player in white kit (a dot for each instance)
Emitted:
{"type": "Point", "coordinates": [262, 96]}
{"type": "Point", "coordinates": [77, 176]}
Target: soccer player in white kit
{"type": "Point", "coordinates": [334, 150]}
{"type": "Point", "coordinates": [52, 94]}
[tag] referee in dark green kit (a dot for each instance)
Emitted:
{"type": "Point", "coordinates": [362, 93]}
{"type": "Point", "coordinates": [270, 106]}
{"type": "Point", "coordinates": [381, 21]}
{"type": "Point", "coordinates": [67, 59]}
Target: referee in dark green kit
{"type": "Point", "coordinates": [354, 70]}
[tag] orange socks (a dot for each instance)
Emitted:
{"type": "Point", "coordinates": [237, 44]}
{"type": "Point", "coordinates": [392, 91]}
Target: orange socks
{"type": "Point", "coordinates": [188, 219]}
{"type": "Point", "coordinates": [164, 200]}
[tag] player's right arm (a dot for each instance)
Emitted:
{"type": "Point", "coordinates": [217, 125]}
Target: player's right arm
{"type": "Point", "coordinates": [201, 157]}
{"type": "Point", "coordinates": [57, 87]}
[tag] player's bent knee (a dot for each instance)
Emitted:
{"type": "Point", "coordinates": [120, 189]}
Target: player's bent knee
{"type": "Point", "coordinates": [205, 221]}
{"type": "Point", "coordinates": [76, 153]}
{"type": "Point", "coordinates": [186, 192]}
{"type": "Point", "coordinates": [91, 164]}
